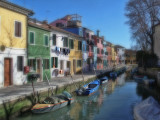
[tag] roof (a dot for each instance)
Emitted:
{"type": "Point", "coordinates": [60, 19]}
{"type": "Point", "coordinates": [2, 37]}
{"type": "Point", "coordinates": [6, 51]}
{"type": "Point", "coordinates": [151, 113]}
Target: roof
{"type": "Point", "coordinates": [16, 8]}
{"type": "Point", "coordinates": [38, 24]}
{"type": "Point", "coordinates": [118, 46]}
{"type": "Point", "coordinates": [44, 25]}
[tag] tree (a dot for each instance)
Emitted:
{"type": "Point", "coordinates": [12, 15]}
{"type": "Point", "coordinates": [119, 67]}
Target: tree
{"type": "Point", "coordinates": [142, 16]}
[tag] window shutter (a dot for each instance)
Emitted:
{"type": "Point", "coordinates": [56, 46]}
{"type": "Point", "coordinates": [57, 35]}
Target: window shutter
{"type": "Point", "coordinates": [51, 62]}
{"type": "Point", "coordinates": [56, 62]}
{"type": "Point", "coordinates": [54, 39]}
{"type": "Point", "coordinates": [16, 28]}
{"type": "Point", "coordinates": [73, 44]}
{"type": "Point", "coordinates": [67, 42]}
{"type": "Point", "coordinates": [34, 62]}
{"type": "Point", "coordinates": [19, 29]}
{"type": "Point", "coordinates": [70, 44]}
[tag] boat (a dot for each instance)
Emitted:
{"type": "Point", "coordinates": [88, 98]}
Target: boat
{"type": "Point", "coordinates": [113, 74]}
{"type": "Point", "coordinates": [53, 103]}
{"type": "Point", "coordinates": [140, 78]}
{"type": "Point", "coordinates": [148, 109]}
{"type": "Point", "coordinates": [89, 89]}
{"type": "Point", "coordinates": [149, 81]}
{"type": "Point", "coordinates": [103, 80]}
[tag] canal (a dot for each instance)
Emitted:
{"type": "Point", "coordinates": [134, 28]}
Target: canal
{"type": "Point", "coordinates": [114, 101]}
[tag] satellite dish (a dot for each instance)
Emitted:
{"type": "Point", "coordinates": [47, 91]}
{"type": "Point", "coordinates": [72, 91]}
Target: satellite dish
{"type": "Point", "coordinates": [2, 48]}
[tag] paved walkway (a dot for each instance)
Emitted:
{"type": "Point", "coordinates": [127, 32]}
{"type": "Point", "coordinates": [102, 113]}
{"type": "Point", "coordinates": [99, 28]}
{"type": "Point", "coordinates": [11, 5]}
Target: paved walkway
{"type": "Point", "coordinates": [15, 92]}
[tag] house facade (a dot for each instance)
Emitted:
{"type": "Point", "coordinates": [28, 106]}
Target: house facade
{"type": "Point", "coordinates": [13, 42]}
{"type": "Point", "coordinates": [157, 42]}
{"type": "Point", "coordinates": [39, 49]}
{"type": "Point", "coordinates": [120, 54]}
{"type": "Point", "coordinates": [64, 45]}
{"type": "Point", "coordinates": [105, 64]}
{"type": "Point", "coordinates": [99, 43]}
{"type": "Point", "coordinates": [109, 54]}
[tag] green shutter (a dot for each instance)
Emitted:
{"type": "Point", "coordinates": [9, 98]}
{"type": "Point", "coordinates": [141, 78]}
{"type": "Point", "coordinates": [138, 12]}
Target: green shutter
{"type": "Point", "coordinates": [51, 62]}
{"type": "Point", "coordinates": [67, 42]}
{"type": "Point", "coordinates": [31, 37]}
{"type": "Point", "coordinates": [70, 44]}
{"type": "Point", "coordinates": [34, 66]}
{"type": "Point", "coordinates": [56, 62]}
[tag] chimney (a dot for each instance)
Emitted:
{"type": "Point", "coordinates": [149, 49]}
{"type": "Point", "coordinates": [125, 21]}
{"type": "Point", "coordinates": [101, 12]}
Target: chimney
{"type": "Point", "coordinates": [98, 33]}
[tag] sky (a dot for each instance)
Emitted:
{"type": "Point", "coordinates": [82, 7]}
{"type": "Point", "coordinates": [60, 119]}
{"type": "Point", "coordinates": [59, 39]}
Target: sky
{"type": "Point", "coordinates": [104, 15]}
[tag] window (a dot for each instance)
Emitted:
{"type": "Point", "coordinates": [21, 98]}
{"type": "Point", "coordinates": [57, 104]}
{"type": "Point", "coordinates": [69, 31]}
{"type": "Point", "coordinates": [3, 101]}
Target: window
{"type": "Point", "coordinates": [54, 41]}
{"type": "Point", "coordinates": [79, 63]}
{"type": "Point", "coordinates": [65, 42]}
{"type": "Point", "coordinates": [102, 51]}
{"type": "Point", "coordinates": [87, 35]}
{"type": "Point", "coordinates": [91, 48]}
{"type": "Point", "coordinates": [17, 29]}
{"type": "Point", "coordinates": [97, 40]}
{"type": "Point", "coordinates": [20, 63]}
{"type": "Point", "coordinates": [87, 47]}
{"type": "Point", "coordinates": [32, 64]}
{"type": "Point", "coordinates": [46, 40]}
{"type": "Point", "coordinates": [71, 44]}
{"type": "Point", "coordinates": [54, 62]}
{"type": "Point", "coordinates": [79, 45]}
{"type": "Point", "coordinates": [31, 38]}
{"type": "Point", "coordinates": [106, 53]}
{"type": "Point", "coordinates": [98, 51]}
{"type": "Point", "coordinates": [46, 63]}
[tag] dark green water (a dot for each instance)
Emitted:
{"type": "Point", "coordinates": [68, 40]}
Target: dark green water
{"type": "Point", "coordinates": [114, 101]}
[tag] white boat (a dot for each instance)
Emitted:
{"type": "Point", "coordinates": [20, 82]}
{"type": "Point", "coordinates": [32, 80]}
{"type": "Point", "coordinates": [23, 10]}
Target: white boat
{"type": "Point", "coordinates": [148, 109]}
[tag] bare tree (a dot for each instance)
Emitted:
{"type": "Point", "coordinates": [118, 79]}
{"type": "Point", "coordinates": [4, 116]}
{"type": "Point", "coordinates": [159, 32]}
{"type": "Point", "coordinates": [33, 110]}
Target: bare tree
{"type": "Point", "coordinates": [142, 16]}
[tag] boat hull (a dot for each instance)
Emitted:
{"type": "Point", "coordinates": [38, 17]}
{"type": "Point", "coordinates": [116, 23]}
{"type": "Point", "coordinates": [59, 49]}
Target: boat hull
{"type": "Point", "coordinates": [44, 108]}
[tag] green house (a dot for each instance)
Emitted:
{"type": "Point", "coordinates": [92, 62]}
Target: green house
{"type": "Point", "coordinates": [39, 49]}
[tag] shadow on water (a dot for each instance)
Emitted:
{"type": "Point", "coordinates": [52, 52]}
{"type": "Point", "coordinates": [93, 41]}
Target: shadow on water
{"type": "Point", "coordinates": [113, 101]}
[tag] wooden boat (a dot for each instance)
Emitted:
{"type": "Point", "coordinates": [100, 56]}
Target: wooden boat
{"type": "Point", "coordinates": [103, 80]}
{"type": "Point", "coordinates": [53, 103]}
{"type": "Point", "coordinates": [89, 89]}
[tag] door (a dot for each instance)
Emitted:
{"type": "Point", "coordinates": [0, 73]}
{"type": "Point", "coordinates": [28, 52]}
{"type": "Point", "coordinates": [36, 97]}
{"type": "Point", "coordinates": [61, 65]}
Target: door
{"type": "Point", "coordinates": [7, 72]}
{"type": "Point", "coordinates": [39, 69]}
{"type": "Point", "coordinates": [74, 66]}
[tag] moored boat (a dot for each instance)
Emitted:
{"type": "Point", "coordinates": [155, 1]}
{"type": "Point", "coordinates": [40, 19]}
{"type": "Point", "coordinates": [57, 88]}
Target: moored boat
{"type": "Point", "coordinates": [103, 80]}
{"type": "Point", "coordinates": [89, 89]}
{"type": "Point", "coordinates": [53, 103]}
{"type": "Point", "coordinates": [113, 74]}
{"type": "Point", "coordinates": [140, 78]}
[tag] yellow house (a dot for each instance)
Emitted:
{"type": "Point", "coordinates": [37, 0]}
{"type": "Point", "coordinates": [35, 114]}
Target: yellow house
{"type": "Point", "coordinates": [13, 39]}
{"type": "Point", "coordinates": [113, 55]}
{"type": "Point", "coordinates": [75, 56]}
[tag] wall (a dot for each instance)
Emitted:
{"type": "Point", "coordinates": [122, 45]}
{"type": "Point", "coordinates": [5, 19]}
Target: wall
{"type": "Point", "coordinates": [15, 46]}
{"type": "Point", "coordinates": [39, 50]}
{"type": "Point", "coordinates": [59, 43]}
{"type": "Point", "coordinates": [157, 41]}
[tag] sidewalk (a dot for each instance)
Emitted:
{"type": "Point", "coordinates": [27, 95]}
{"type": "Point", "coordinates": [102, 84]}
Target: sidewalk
{"type": "Point", "coordinates": [15, 92]}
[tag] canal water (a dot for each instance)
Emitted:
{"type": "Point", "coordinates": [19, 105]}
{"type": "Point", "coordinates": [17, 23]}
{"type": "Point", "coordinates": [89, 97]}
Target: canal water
{"type": "Point", "coordinates": [113, 101]}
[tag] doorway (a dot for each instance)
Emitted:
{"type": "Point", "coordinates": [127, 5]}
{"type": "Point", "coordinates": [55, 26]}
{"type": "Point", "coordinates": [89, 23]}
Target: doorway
{"type": "Point", "coordinates": [39, 69]}
{"type": "Point", "coordinates": [7, 71]}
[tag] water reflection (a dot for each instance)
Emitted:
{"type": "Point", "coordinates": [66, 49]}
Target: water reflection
{"type": "Point", "coordinates": [113, 101]}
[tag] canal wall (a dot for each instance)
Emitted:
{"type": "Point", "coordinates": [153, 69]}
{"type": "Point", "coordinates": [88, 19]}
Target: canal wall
{"type": "Point", "coordinates": [18, 105]}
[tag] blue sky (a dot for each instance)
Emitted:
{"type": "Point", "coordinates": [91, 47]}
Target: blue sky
{"type": "Point", "coordinates": [105, 15]}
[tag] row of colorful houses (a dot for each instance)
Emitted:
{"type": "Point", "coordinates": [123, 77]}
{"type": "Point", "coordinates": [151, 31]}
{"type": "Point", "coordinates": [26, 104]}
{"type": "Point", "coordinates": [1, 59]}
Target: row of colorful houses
{"type": "Point", "coordinates": [29, 46]}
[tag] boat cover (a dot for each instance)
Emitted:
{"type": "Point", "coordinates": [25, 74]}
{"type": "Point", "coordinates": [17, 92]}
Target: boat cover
{"type": "Point", "coordinates": [148, 109]}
